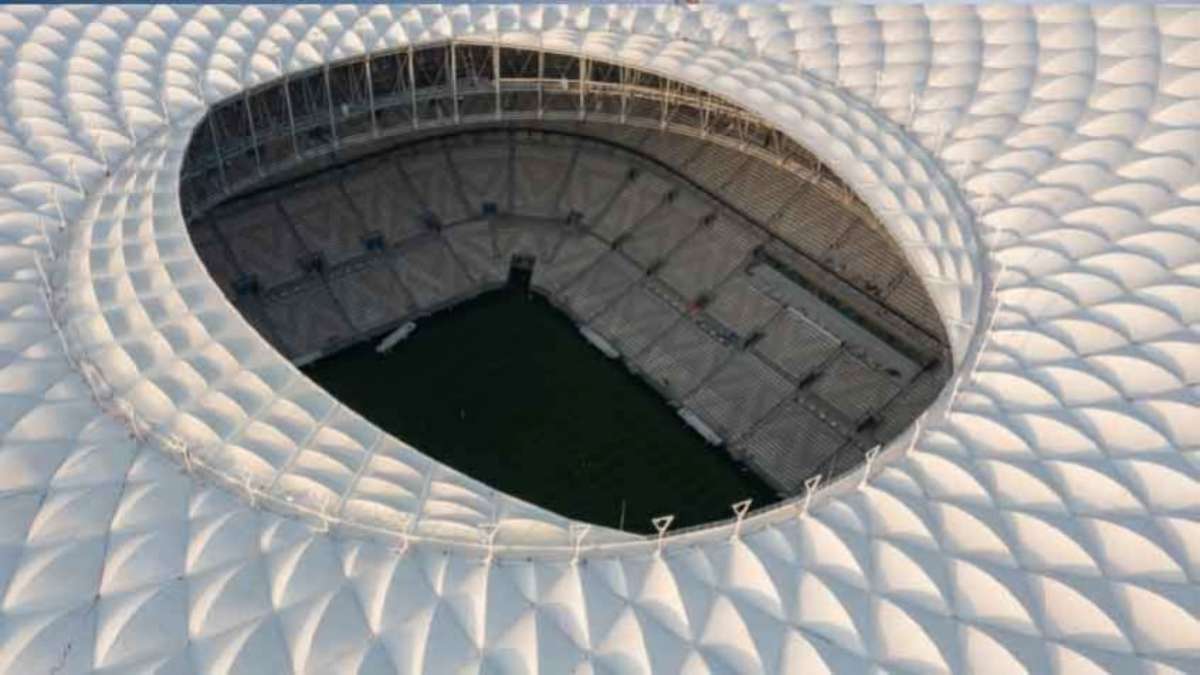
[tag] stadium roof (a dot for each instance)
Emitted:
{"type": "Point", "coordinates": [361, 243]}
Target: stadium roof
{"type": "Point", "coordinates": [175, 496]}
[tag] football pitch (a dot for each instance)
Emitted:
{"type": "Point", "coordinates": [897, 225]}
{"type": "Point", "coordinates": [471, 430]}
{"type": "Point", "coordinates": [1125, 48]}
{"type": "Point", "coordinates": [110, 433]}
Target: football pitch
{"type": "Point", "coordinates": [505, 389]}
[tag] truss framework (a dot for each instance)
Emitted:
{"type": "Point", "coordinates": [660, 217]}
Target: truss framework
{"type": "Point", "coordinates": [281, 125]}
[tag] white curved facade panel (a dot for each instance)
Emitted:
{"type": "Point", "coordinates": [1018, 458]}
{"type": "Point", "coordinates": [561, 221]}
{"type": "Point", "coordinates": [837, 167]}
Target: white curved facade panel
{"type": "Point", "coordinates": [175, 497]}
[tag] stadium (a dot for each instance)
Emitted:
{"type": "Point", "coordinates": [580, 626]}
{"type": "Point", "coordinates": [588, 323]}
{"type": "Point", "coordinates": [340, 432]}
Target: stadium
{"type": "Point", "coordinates": [884, 320]}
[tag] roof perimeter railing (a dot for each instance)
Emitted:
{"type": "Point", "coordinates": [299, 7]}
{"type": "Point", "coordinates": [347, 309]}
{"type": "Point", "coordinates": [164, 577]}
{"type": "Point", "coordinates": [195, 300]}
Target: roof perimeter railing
{"type": "Point", "coordinates": [199, 461]}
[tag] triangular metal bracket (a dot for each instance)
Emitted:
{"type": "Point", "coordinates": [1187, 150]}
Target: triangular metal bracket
{"type": "Point", "coordinates": [661, 524]}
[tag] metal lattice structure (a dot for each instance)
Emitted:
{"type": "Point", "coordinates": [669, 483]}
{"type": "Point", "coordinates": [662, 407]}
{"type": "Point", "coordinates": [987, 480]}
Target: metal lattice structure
{"type": "Point", "coordinates": [1037, 165]}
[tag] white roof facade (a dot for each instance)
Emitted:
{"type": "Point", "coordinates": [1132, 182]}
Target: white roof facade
{"type": "Point", "coordinates": [176, 497]}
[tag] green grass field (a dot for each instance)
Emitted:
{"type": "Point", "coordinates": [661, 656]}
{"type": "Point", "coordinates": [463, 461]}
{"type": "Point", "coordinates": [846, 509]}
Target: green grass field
{"type": "Point", "coordinates": [504, 388]}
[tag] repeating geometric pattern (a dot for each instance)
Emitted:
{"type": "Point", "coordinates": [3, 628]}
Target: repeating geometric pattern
{"type": "Point", "coordinates": [1040, 166]}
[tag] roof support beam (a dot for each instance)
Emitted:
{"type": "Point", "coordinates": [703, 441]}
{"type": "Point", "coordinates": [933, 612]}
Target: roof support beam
{"type": "Point", "coordinates": [216, 140]}
{"type": "Point", "coordinates": [287, 97]}
{"type": "Point", "coordinates": [329, 107]}
{"type": "Point", "coordinates": [253, 133]}
{"type": "Point", "coordinates": [541, 108]}
{"type": "Point", "coordinates": [453, 76]}
{"type": "Point", "coordinates": [496, 80]}
{"type": "Point", "coordinates": [412, 88]}
{"type": "Point", "coordinates": [583, 66]}
{"type": "Point", "coordinates": [370, 96]}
